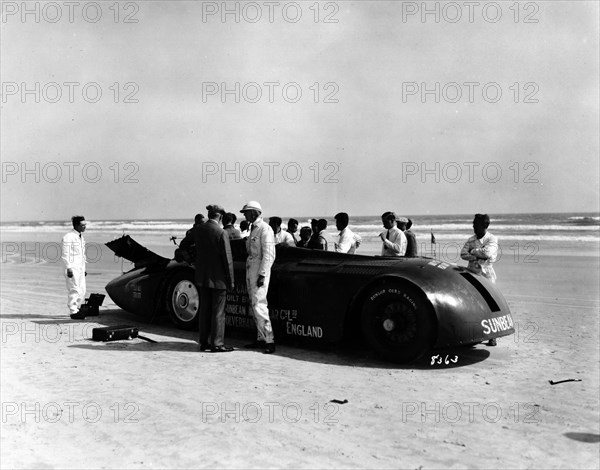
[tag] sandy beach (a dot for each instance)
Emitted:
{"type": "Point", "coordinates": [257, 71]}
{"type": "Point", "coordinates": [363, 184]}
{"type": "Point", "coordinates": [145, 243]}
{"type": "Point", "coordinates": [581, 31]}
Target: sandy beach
{"type": "Point", "coordinates": [139, 115]}
{"type": "Point", "coordinates": [68, 402]}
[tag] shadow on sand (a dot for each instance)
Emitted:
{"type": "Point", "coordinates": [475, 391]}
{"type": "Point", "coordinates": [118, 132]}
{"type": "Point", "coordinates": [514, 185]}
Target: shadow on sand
{"type": "Point", "coordinates": [583, 437]}
{"type": "Point", "coordinates": [349, 355]}
{"type": "Point", "coordinates": [344, 355]}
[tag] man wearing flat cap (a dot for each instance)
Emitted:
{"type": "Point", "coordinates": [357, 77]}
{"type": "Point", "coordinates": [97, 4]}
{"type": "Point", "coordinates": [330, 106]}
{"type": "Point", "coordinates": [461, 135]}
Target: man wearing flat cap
{"type": "Point", "coordinates": [214, 274]}
{"type": "Point", "coordinates": [481, 251]}
{"type": "Point", "coordinates": [394, 241]}
{"type": "Point", "coordinates": [260, 245]}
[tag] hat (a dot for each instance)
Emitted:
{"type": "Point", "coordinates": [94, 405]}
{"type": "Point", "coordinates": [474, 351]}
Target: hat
{"type": "Point", "coordinates": [251, 205]}
{"type": "Point", "coordinates": [402, 220]}
{"type": "Point", "coordinates": [216, 208]}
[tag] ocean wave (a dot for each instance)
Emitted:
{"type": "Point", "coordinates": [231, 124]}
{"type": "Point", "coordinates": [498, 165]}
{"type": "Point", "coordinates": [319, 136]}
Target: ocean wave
{"type": "Point", "coordinates": [494, 228]}
{"type": "Point", "coordinates": [156, 228]}
{"type": "Point", "coordinates": [30, 228]}
{"type": "Point", "coordinates": [441, 229]}
{"type": "Point", "coordinates": [589, 220]}
{"type": "Point", "coordinates": [460, 238]}
{"type": "Point", "coordinates": [106, 228]}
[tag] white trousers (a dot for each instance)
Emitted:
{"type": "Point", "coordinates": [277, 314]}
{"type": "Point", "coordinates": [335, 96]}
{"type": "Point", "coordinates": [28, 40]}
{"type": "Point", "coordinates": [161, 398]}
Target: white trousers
{"type": "Point", "coordinates": [258, 302]}
{"type": "Point", "coordinates": [75, 289]}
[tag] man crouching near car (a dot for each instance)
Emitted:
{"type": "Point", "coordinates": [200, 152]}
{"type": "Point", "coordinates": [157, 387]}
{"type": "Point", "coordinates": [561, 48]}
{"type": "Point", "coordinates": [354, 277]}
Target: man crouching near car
{"type": "Point", "coordinates": [260, 245]}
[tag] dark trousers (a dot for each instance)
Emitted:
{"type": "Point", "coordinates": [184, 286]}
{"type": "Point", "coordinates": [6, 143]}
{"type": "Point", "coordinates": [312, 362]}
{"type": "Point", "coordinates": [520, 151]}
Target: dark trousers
{"type": "Point", "coordinates": [212, 315]}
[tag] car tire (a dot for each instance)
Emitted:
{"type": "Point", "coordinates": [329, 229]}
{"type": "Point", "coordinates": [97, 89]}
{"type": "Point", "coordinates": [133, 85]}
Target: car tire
{"type": "Point", "coordinates": [398, 322]}
{"type": "Point", "coordinates": [183, 300]}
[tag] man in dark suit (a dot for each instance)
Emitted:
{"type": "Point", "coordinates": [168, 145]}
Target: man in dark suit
{"type": "Point", "coordinates": [187, 249]}
{"type": "Point", "coordinates": [214, 274]}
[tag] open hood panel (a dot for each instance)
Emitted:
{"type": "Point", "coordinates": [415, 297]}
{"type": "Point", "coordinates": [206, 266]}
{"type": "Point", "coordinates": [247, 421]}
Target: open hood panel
{"type": "Point", "coordinates": [126, 247]}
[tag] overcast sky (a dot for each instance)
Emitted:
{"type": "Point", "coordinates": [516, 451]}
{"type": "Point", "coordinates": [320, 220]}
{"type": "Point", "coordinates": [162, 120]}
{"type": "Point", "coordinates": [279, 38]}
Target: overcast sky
{"type": "Point", "coordinates": [513, 125]}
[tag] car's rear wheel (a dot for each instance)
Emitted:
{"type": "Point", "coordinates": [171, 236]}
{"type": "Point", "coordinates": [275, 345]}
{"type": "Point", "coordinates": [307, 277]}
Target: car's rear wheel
{"type": "Point", "coordinates": [398, 322]}
{"type": "Point", "coordinates": [183, 300]}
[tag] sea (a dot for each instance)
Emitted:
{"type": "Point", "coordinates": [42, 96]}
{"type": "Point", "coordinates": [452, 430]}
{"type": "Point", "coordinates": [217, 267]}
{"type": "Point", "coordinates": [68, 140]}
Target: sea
{"type": "Point", "coordinates": [521, 235]}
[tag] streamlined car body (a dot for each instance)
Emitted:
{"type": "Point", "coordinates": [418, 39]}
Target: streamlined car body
{"type": "Point", "coordinates": [401, 307]}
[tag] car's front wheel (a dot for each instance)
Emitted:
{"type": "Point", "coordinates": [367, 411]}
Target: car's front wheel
{"type": "Point", "coordinates": [183, 300]}
{"type": "Point", "coordinates": [398, 322]}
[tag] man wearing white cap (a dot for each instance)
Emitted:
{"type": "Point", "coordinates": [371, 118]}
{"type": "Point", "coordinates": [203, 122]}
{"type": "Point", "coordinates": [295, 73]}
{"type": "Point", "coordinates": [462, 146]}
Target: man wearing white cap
{"type": "Point", "coordinates": [260, 245]}
{"type": "Point", "coordinates": [73, 255]}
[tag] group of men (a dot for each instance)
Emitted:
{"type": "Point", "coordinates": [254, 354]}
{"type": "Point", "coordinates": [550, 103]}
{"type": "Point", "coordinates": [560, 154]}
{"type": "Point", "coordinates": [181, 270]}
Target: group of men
{"type": "Point", "coordinates": [397, 240]}
{"type": "Point", "coordinates": [214, 274]}
{"type": "Point", "coordinates": [210, 241]}
{"type": "Point", "coordinates": [315, 237]}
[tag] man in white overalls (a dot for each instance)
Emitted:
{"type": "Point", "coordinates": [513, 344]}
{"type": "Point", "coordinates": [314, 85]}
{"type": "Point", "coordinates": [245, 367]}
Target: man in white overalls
{"type": "Point", "coordinates": [73, 255]}
{"type": "Point", "coordinates": [260, 245]}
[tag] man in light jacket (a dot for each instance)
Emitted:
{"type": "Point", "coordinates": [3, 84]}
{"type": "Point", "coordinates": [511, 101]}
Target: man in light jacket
{"type": "Point", "coordinates": [261, 256]}
{"type": "Point", "coordinates": [481, 250]}
{"type": "Point", "coordinates": [73, 255]}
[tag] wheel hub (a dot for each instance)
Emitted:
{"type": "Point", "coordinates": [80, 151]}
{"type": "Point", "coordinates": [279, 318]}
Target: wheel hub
{"type": "Point", "coordinates": [388, 324]}
{"type": "Point", "coordinates": [185, 300]}
{"type": "Point", "coordinates": [399, 323]}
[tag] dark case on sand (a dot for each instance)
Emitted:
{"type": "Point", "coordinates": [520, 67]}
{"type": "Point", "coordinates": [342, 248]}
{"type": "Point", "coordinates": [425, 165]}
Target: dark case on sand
{"type": "Point", "coordinates": [91, 306]}
{"type": "Point", "coordinates": [114, 333]}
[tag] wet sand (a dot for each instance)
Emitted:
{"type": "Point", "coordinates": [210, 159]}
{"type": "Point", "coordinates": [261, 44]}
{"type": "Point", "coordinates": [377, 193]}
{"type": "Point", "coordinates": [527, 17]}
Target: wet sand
{"type": "Point", "coordinates": [68, 402]}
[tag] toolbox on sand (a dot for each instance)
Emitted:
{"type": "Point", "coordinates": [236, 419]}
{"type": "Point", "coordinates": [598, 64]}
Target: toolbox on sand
{"type": "Point", "coordinates": [114, 333]}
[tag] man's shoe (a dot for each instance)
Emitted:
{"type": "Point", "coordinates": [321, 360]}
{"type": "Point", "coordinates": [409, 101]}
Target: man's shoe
{"type": "Point", "coordinates": [204, 347]}
{"type": "Point", "coordinates": [492, 342]}
{"type": "Point", "coordinates": [78, 316]}
{"type": "Point", "coordinates": [269, 348]}
{"type": "Point", "coordinates": [256, 345]}
{"type": "Point", "coordinates": [223, 348]}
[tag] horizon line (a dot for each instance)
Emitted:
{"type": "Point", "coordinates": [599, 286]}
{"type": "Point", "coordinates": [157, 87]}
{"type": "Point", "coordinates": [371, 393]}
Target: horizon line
{"type": "Point", "coordinates": [2, 222]}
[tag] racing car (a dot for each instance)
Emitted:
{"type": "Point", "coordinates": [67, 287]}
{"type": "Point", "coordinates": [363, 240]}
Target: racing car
{"type": "Point", "coordinates": [400, 307]}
